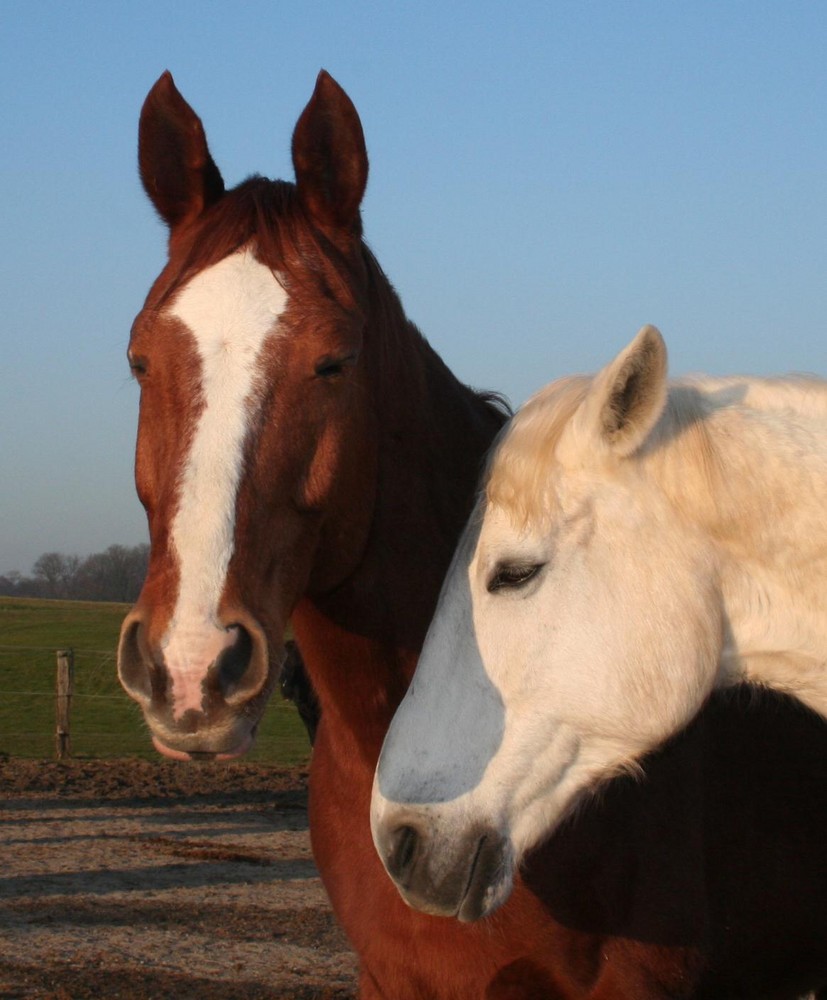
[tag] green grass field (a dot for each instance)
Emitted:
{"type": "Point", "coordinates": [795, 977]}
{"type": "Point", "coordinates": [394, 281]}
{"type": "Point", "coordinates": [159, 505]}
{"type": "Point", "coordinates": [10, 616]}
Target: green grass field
{"type": "Point", "coordinates": [104, 722]}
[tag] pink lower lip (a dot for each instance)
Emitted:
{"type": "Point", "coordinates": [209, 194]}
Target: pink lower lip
{"type": "Point", "coordinates": [172, 754]}
{"type": "Point", "coordinates": [239, 751]}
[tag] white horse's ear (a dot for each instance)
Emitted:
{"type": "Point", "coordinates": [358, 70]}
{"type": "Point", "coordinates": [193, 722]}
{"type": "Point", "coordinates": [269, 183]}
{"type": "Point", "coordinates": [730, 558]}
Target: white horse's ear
{"type": "Point", "coordinates": [626, 398]}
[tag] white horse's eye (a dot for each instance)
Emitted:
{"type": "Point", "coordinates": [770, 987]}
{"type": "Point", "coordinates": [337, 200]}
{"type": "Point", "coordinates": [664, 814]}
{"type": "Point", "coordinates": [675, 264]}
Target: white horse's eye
{"type": "Point", "coordinates": [512, 576]}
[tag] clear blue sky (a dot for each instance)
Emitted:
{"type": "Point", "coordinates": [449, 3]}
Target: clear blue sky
{"type": "Point", "coordinates": [545, 177]}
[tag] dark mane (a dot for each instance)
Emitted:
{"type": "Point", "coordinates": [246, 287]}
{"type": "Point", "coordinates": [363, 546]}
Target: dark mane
{"type": "Point", "coordinates": [402, 340]}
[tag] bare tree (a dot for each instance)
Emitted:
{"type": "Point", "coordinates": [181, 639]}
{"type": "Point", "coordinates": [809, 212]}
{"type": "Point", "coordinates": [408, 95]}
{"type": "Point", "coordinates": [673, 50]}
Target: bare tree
{"type": "Point", "coordinates": [56, 572]}
{"type": "Point", "coordinates": [10, 583]}
{"type": "Point", "coordinates": [114, 575]}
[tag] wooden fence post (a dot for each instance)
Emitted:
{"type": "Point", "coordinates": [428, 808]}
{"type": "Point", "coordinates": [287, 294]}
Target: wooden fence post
{"type": "Point", "coordinates": [63, 704]}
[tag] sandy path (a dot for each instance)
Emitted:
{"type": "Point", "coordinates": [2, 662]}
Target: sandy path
{"type": "Point", "coordinates": [129, 879]}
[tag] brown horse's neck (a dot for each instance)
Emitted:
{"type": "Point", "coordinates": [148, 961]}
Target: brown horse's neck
{"type": "Point", "coordinates": [360, 642]}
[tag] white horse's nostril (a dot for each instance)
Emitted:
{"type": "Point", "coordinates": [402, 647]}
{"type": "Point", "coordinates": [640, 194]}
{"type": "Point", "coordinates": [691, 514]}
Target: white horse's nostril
{"type": "Point", "coordinates": [401, 853]}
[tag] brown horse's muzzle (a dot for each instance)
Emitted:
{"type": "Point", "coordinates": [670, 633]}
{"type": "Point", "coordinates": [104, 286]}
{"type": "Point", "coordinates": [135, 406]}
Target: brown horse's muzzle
{"type": "Point", "coordinates": [207, 710]}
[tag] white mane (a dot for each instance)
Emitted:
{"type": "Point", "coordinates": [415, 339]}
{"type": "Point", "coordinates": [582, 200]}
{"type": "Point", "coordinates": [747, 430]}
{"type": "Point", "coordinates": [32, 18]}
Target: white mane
{"type": "Point", "coordinates": [702, 441]}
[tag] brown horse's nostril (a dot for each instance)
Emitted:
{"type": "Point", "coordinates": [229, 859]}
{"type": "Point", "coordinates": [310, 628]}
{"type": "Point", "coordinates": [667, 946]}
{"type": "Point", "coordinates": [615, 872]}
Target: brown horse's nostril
{"type": "Point", "coordinates": [134, 660]}
{"type": "Point", "coordinates": [233, 664]}
{"type": "Point", "coordinates": [241, 671]}
{"type": "Point", "coordinates": [400, 857]}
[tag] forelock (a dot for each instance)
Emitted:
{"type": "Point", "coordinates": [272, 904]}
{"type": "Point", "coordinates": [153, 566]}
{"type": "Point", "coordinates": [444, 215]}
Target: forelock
{"type": "Point", "coordinates": [520, 465]}
{"type": "Point", "coordinates": [267, 215]}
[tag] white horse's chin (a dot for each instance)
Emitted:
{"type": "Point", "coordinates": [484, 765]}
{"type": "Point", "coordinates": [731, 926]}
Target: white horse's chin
{"type": "Point", "coordinates": [497, 892]}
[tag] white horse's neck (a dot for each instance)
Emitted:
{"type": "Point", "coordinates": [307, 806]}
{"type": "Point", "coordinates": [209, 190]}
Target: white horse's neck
{"type": "Point", "coordinates": [749, 463]}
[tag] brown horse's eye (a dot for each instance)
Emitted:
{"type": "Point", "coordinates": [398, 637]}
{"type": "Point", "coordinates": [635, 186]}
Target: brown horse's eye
{"type": "Point", "coordinates": [137, 365]}
{"type": "Point", "coordinates": [331, 367]}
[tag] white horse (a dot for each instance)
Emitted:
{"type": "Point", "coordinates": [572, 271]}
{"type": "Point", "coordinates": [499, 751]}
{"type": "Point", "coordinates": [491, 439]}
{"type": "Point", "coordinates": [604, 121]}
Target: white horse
{"type": "Point", "coordinates": [638, 544]}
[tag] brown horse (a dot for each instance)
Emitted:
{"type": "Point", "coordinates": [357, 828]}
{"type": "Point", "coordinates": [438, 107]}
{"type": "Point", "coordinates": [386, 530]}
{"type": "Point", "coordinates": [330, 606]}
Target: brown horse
{"type": "Point", "coordinates": [303, 453]}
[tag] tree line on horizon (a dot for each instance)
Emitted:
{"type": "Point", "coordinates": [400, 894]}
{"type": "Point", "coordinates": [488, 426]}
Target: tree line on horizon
{"type": "Point", "coordinates": [114, 575]}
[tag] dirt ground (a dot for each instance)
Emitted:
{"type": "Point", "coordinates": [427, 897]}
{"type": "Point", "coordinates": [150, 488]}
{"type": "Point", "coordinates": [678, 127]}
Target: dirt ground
{"type": "Point", "coordinates": [136, 879]}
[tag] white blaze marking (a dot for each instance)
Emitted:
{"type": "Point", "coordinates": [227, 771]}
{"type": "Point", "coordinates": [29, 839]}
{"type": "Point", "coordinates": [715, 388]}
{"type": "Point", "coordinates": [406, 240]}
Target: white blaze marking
{"type": "Point", "coordinates": [231, 309]}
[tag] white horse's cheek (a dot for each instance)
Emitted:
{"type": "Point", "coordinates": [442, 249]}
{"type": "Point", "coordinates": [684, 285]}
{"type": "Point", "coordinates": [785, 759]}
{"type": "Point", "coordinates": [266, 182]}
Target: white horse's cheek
{"type": "Point", "coordinates": [528, 783]}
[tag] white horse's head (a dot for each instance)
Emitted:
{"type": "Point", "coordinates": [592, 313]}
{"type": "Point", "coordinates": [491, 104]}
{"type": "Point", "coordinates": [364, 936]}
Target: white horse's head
{"type": "Point", "coordinates": [578, 628]}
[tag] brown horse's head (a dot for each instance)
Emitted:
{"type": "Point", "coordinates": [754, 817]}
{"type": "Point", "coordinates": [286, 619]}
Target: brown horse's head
{"type": "Point", "coordinates": [256, 436]}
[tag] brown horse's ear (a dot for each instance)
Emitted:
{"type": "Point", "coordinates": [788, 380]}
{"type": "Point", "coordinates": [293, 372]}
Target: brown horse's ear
{"type": "Point", "coordinates": [330, 158]}
{"type": "Point", "coordinates": [177, 170]}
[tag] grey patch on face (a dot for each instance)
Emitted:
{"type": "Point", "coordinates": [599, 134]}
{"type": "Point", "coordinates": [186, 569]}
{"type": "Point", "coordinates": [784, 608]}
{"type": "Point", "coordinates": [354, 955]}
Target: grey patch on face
{"type": "Point", "coordinates": [451, 722]}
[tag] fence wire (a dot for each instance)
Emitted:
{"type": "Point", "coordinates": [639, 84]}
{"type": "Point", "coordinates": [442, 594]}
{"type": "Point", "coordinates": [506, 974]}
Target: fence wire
{"type": "Point", "coordinates": [104, 721]}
